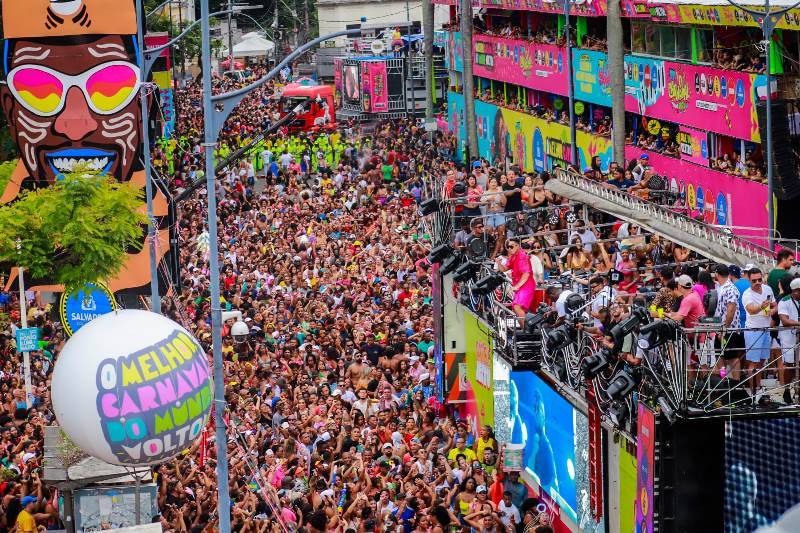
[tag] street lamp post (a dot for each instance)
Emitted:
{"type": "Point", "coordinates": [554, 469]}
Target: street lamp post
{"type": "Point", "coordinates": [571, 89]}
{"type": "Point", "coordinates": [767, 20]}
{"type": "Point", "coordinates": [214, 119]}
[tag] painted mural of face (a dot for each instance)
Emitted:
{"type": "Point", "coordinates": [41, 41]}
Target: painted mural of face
{"type": "Point", "coordinates": [73, 104]}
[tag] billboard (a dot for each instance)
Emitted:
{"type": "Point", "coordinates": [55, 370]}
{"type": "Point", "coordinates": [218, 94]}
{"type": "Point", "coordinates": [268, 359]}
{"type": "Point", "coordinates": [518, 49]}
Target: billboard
{"type": "Point", "coordinates": [531, 142]}
{"type": "Point", "coordinates": [92, 47]}
{"type": "Point", "coordinates": [627, 488]}
{"type": "Point", "coordinates": [693, 145]}
{"type": "Point", "coordinates": [645, 471]}
{"type": "Point", "coordinates": [536, 66]}
{"type": "Point", "coordinates": [337, 81]}
{"type": "Point", "coordinates": [351, 84]}
{"type": "Point", "coordinates": [595, 8]}
{"type": "Point", "coordinates": [479, 409]}
{"type": "Point", "coordinates": [716, 100]}
{"type": "Point", "coordinates": [375, 93]}
{"type": "Point", "coordinates": [547, 425]}
{"type": "Point", "coordinates": [762, 475]}
{"type": "Point", "coordinates": [721, 198]}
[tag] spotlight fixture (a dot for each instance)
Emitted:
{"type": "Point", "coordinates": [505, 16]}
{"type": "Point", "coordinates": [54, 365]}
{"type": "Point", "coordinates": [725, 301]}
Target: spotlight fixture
{"type": "Point", "coordinates": [451, 263]}
{"type": "Point", "coordinates": [477, 249]}
{"type": "Point", "coordinates": [618, 414]}
{"type": "Point", "coordinates": [627, 326]}
{"type": "Point", "coordinates": [438, 253]}
{"type": "Point", "coordinates": [465, 272]}
{"type": "Point", "coordinates": [429, 207]}
{"type": "Point", "coordinates": [621, 385]}
{"type": "Point", "coordinates": [488, 283]}
{"type": "Point", "coordinates": [594, 364]}
{"type": "Point", "coordinates": [573, 304]}
{"type": "Point", "coordinates": [534, 320]}
{"type": "Point", "coordinates": [666, 409]}
{"type": "Point", "coordinates": [657, 333]}
{"type": "Point", "coordinates": [560, 337]}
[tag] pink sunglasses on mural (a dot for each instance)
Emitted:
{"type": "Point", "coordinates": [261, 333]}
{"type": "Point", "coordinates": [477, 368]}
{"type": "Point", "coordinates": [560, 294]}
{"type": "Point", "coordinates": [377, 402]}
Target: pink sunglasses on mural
{"type": "Point", "coordinates": [107, 88]}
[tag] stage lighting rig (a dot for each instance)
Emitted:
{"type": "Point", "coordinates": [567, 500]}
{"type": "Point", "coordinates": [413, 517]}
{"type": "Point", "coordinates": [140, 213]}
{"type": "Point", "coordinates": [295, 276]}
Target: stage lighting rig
{"type": "Point", "coordinates": [596, 363]}
{"type": "Point", "coordinates": [429, 207]}
{"type": "Point", "coordinates": [488, 283]}
{"type": "Point", "coordinates": [439, 253]}
{"type": "Point", "coordinates": [451, 263]}
{"type": "Point", "coordinates": [561, 337]}
{"type": "Point", "coordinates": [657, 333]}
{"type": "Point", "coordinates": [621, 385]}
{"type": "Point", "coordinates": [465, 272]}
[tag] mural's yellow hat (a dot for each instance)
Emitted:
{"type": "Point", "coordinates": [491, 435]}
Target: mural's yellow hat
{"type": "Point", "coordinates": [62, 18]}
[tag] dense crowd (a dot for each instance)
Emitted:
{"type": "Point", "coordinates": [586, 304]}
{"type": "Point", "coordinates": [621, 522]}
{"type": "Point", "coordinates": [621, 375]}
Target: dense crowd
{"type": "Point", "coordinates": [334, 423]}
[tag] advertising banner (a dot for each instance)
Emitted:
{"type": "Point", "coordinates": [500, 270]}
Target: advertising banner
{"type": "Point", "coordinates": [375, 94]}
{"type": "Point", "coordinates": [645, 459]}
{"type": "Point", "coordinates": [627, 487]}
{"type": "Point", "coordinates": [547, 425]}
{"type": "Point", "coordinates": [454, 53]}
{"type": "Point", "coordinates": [531, 142]}
{"type": "Point", "coordinates": [713, 193]}
{"type": "Point", "coordinates": [693, 145]}
{"type": "Point", "coordinates": [337, 81]}
{"type": "Point", "coordinates": [536, 66]}
{"type": "Point", "coordinates": [478, 359]}
{"type": "Point", "coordinates": [721, 101]}
{"type": "Point", "coordinates": [725, 15]}
{"type": "Point", "coordinates": [589, 8]}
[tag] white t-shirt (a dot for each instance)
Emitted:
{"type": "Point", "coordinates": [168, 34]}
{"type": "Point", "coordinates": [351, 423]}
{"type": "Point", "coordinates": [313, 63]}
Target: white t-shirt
{"type": "Point", "coordinates": [601, 300]}
{"type": "Point", "coordinates": [538, 269]}
{"type": "Point", "coordinates": [759, 320]}
{"type": "Point", "coordinates": [562, 299]}
{"type": "Point", "coordinates": [508, 512]}
{"type": "Point", "coordinates": [788, 337]}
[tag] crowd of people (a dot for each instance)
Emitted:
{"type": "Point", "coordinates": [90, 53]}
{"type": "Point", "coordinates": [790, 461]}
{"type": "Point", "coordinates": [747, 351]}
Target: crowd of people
{"type": "Point", "coordinates": [334, 421]}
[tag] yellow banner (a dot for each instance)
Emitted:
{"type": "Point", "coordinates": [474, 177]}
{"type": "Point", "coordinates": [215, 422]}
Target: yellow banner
{"type": "Point", "coordinates": [729, 16]}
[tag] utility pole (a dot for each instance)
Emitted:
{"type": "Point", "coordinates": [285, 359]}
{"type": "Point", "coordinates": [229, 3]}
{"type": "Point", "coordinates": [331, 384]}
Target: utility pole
{"type": "Point", "coordinates": [616, 70]}
{"type": "Point", "coordinates": [180, 26]}
{"type": "Point", "coordinates": [427, 33]}
{"type": "Point", "coordinates": [469, 81]}
{"type": "Point", "coordinates": [230, 35]}
{"type": "Point", "coordinates": [573, 151]}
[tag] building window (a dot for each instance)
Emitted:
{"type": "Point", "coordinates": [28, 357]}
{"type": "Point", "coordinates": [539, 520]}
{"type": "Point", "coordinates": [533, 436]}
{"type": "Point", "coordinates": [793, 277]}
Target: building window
{"type": "Point", "coordinates": [670, 42]}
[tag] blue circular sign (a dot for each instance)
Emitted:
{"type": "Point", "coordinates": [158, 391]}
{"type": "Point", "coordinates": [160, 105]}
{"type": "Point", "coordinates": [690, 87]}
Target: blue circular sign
{"type": "Point", "coordinates": [723, 86]}
{"type": "Point", "coordinates": [82, 305]}
{"type": "Point", "coordinates": [704, 148]}
{"type": "Point", "coordinates": [722, 210]}
{"type": "Point", "coordinates": [538, 151]}
{"type": "Point", "coordinates": [740, 93]}
{"type": "Point", "coordinates": [701, 201]}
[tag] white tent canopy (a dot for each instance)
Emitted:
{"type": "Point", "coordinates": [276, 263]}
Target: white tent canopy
{"type": "Point", "coordinates": [252, 46]}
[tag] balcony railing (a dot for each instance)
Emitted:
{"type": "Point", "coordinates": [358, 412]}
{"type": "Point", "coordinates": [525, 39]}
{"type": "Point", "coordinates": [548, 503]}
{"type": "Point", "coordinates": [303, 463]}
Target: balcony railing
{"type": "Point", "coordinates": [708, 240]}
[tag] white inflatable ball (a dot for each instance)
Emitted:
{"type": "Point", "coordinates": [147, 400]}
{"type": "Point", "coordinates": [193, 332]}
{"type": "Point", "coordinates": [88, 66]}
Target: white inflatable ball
{"type": "Point", "coordinates": [132, 388]}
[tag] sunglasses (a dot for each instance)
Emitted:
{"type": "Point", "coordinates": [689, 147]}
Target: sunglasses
{"type": "Point", "coordinates": [107, 88]}
{"type": "Point", "coordinates": [756, 280]}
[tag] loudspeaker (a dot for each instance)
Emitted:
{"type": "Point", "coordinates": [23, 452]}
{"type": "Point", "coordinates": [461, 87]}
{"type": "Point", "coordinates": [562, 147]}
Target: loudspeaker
{"type": "Point", "coordinates": [787, 182]}
{"type": "Point", "coordinates": [691, 464]}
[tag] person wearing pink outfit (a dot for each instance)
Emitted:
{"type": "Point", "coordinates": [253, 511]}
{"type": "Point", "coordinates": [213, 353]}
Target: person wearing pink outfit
{"type": "Point", "coordinates": [522, 280]}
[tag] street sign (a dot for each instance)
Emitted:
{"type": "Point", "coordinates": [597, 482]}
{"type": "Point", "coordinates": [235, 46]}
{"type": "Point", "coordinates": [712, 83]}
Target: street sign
{"type": "Point", "coordinates": [27, 339]}
{"type": "Point", "coordinates": [431, 125]}
{"type": "Point", "coordinates": [82, 305]}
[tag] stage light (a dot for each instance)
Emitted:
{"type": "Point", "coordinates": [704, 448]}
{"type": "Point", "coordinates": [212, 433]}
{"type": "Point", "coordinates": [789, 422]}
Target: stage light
{"type": "Point", "coordinates": [560, 337]}
{"type": "Point", "coordinates": [465, 272]}
{"type": "Point", "coordinates": [533, 321]}
{"type": "Point", "coordinates": [621, 385]}
{"type": "Point", "coordinates": [618, 414]}
{"type": "Point", "coordinates": [477, 249]}
{"type": "Point", "coordinates": [451, 263]}
{"type": "Point", "coordinates": [512, 226]}
{"type": "Point", "coordinates": [574, 304]}
{"type": "Point", "coordinates": [657, 333]}
{"type": "Point", "coordinates": [627, 326]}
{"type": "Point", "coordinates": [438, 253]}
{"type": "Point", "coordinates": [666, 409]}
{"type": "Point", "coordinates": [429, 207]}
{"type": "Point", "coordinates": [488, 283]}
{"type": "Point", "coordinates": [594, 364]}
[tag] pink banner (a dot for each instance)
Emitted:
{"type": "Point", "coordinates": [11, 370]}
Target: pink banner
{"type": "Point", "coordinates": [720, 198]}
{"type": "Point", "coordinates": [595, 8]}
{"type": "Point", "coordinates": [721, 101]}
{"type": "Point", "coordinates": [693, 145]}
{"type": "Point", "coordinates": [375, 94]}
{"type": "Point", "coordinates": [337, 81]}
{"type": "Point", "coordinates": [537, 66]}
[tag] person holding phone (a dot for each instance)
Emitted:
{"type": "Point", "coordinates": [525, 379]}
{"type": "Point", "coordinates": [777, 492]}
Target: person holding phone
{"type": "Point", "coordinates": [759, 304]}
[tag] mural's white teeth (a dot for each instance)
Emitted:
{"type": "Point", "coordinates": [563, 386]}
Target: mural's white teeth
{"type": "Point", "coordinates": [63, 164]}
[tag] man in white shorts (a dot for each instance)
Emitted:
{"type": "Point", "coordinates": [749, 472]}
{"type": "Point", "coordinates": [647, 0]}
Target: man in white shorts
{"type": "Point", "coordinates": [759, 304]}
{"type": "Point", "coordinates": [789, 314]}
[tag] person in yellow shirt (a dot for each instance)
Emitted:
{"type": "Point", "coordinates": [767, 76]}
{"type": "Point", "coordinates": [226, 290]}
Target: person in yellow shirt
{"type": "Point", "coordinates": [461, 448]}
{"type": "Point", "coordinates": [485, 440]}
{"type": "Point", "coordinates": [26, 523]}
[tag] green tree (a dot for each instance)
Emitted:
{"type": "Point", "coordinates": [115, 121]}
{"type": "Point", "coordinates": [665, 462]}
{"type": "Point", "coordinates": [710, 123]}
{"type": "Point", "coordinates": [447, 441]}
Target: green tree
{"type": "Point", "coordinates": [75, 232]}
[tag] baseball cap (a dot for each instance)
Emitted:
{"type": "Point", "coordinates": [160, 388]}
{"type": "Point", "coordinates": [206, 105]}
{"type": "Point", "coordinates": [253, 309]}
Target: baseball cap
{"type": "Point", "coordinates": [795, 284]}
{"type": "Point", "coordinates": [476, 164]}
{"type": "Point", "coordinates": [480, 489]}
{"type": "Point", "coordinates": [336, 392]}
{"type": "Point", "coordinates": [386, 445]}
{"type": "Point", "coordinates": [644, 156]}
{"type": "Point", "coordinates": [735, 271]}
{"type": "Point", "coordinates": [685, 281]}
{"type": "Point", "coordinates": [748, 267]}
{"type": "Point", "coordinates": [28, 499]}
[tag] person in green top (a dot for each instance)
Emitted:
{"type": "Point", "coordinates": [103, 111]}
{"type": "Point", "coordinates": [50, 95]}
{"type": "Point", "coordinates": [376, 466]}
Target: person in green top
{"type": "Point", "coordinates": [387, 169]}
{"type": "Point", "coordinates": [784, 261]}
{"type": "Point", "coordinates": [426, 342]}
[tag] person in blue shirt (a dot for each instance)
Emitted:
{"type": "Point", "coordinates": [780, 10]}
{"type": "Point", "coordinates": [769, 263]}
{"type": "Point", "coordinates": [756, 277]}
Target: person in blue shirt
{"type": "Point", "coordinates": [741, 280]}
{"type": "Point", "coordinates": [620, 180]}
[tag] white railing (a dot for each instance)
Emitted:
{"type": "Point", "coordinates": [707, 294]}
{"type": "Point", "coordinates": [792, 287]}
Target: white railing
{"type": "Point", "coordinates": [745, 251]}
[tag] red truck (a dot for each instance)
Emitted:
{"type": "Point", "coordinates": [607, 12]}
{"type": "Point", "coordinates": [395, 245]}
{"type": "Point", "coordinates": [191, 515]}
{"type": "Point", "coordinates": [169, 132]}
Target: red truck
{"type": "Point", "coordinates": [317, 104]}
